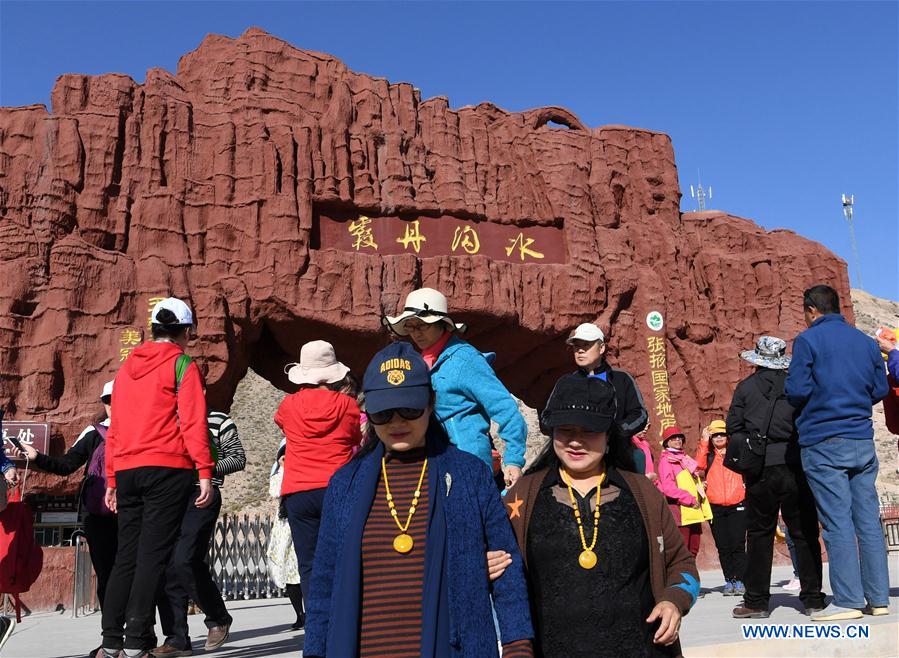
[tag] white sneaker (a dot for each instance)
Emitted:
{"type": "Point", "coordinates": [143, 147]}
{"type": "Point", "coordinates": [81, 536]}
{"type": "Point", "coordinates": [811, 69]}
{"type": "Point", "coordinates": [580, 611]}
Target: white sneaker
{"type": "Point", "coordinates": [793, 586]}
{"type": "Point", "coordinates": [7, 626]}
{"type": "Point", "coordinates": [836, 613]}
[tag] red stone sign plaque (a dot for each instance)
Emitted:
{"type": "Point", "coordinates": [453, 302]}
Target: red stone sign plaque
{"type": "Point", "coordinates": [440, 236]}
{"type": "Point", "coordinates": [28, 433]}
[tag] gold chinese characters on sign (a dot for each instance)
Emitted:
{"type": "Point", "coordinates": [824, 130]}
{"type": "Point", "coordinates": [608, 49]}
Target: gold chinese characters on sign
{"type": "Point", "coordinates": [362, 233]}
{"type": "Point", "coordinates": [440, 236]}
{"type": "Point", "coordinates": [661, 393]}
{"type": "Point", "coordinates": [129, 338]}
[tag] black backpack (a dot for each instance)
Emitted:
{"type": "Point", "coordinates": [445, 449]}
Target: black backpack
{"type": "Point", "coordinates": [746, 455]}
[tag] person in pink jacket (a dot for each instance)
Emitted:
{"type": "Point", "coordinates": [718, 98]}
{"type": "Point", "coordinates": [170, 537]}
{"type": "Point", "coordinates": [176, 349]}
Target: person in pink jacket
{"type": "Point", "coordinates": [672, 461]}
{"type": "Point", "coordinates": [643, 455]}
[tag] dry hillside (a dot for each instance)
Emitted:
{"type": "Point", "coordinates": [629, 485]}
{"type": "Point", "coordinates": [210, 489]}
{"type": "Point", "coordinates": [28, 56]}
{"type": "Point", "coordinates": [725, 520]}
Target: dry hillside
{"type": "Point", "coordinates": [256, 400]}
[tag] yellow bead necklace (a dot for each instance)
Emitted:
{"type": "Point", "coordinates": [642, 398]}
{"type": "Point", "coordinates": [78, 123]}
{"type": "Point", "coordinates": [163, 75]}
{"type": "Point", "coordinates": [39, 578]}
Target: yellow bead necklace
{"type": "Point", "coordinates": [402, 543]}
{"type": "Point", "coordinates": [587, 558]}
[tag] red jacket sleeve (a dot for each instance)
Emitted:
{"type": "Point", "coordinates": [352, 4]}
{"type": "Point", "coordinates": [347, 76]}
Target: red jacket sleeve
{"type": "Point", "coordinates": [192, 419]}
{"type": "Point", "coordinates": [110, 447]}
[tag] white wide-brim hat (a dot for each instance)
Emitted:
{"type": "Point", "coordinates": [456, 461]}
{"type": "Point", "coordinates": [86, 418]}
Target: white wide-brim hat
{"type": "Point", "coordinates": [426, 304]}
{"type": "Point", "coordinates": [318, 365]}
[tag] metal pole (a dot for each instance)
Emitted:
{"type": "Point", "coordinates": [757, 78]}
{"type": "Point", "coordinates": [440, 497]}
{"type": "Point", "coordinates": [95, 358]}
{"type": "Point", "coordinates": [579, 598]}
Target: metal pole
{"type": "Point", "coordinates": [848, 203]}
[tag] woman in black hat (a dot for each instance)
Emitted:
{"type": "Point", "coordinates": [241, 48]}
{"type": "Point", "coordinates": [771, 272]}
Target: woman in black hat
{"type": "Point", "coordinates": [607, 569]}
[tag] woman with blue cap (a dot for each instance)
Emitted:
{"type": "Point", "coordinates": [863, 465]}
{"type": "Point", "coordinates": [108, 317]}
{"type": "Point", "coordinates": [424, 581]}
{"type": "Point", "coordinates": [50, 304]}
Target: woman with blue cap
{"type": "Point", "coordinates": [400, 567]}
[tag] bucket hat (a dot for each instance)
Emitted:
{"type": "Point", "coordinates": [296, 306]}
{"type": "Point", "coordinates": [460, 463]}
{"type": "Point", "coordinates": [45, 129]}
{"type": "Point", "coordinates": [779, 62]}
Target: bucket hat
{"type": "Point", "coordinates": [670, 433]}
{"type": "Point", "coordinates": [318, 365]}
{"type": "Point", "coordinates": [769, 352]}
{"type": "Point", "coordinates": [426, 304]}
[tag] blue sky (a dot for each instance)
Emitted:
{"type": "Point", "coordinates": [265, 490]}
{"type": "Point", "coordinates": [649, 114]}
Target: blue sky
{"type": "Point", "coordinates": [782, 106]}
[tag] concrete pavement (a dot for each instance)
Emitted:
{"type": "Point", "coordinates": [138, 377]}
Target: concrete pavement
{"type": "Point", "coordinates": [260, 629]}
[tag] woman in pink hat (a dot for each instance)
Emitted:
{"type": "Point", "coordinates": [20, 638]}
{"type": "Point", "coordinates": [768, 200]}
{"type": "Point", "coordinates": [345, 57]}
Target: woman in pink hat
{"type": "Point", "coordinates": [322, 427]}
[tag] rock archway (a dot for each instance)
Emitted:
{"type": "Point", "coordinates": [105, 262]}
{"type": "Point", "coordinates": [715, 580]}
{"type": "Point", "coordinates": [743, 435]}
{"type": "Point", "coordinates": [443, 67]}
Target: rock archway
{"type": "Point", "coordinates": [256, 179]}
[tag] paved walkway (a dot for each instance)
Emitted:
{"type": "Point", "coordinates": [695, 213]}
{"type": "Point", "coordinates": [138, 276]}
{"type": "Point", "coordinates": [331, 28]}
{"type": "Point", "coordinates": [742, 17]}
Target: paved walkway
{"type": "Point", "coordinates": [261, 629]}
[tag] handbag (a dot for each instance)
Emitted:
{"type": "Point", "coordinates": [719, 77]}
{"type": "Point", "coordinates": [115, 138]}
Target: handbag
{"type": "Point", "coordinates": [746, 455]}
{"type": "Point", "coordinates": [281, 559]}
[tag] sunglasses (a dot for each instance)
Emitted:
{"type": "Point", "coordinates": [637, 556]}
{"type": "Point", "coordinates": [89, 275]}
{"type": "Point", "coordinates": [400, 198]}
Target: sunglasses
{"type": "Point", "coordinates": [384, 417]}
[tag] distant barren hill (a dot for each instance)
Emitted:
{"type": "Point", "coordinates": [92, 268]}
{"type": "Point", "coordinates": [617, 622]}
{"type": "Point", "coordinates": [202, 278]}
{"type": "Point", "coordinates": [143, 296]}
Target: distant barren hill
{"type": "Point", "coordinates": [256, 400]}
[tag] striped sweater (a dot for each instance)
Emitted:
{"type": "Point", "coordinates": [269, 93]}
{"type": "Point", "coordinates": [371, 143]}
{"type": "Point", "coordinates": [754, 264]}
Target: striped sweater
{"type": "Point", "coordinates": [231, 456]}
{"type": "Point", "coordinates": [392, 583]}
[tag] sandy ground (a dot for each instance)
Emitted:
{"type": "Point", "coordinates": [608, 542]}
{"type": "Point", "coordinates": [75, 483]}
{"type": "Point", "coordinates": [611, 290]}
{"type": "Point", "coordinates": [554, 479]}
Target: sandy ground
{"type": "Point", "coordinates": [260, 629]}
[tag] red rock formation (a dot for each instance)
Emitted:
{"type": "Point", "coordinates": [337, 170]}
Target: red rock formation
{"type": "Point", "coordinates": [210, 185]}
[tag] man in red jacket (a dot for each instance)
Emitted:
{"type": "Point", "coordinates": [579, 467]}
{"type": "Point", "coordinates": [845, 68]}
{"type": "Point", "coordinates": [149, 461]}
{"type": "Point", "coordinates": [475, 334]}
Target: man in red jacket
{"type": "Point", "coordinates": [157, 438]}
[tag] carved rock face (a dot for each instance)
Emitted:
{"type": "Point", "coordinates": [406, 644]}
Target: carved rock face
{"type": "Point", "coordinates": [255, 181]}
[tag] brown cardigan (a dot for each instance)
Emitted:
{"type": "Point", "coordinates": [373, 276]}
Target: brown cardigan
{"type": "Point", "coordinates": [672, 569]}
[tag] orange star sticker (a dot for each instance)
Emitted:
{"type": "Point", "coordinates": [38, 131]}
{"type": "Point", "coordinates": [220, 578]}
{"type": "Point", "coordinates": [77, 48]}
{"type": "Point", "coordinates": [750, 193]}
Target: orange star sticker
{"type": "Point", "coordinates": [515, 508]}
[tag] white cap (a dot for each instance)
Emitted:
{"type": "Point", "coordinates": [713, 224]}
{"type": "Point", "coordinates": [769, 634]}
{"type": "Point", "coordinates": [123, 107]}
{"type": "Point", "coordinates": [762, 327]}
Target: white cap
{"type": "Point", "coordinates": [586, 331]}
{"type": "Point", "coordinates": [107, 390]}
{"type": "Point", "coordinates": [176, 306]}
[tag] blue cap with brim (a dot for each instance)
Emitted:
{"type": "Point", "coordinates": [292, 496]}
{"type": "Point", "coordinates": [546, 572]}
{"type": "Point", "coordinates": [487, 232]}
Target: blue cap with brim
{"type": "Point", "coordinates": [396, 378]}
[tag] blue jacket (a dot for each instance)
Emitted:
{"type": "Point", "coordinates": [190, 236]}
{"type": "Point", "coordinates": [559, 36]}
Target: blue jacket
{"type": "Point", "coordinates": [467, 516]}
{"type": "Point", "coordinates": [893, 364]}
{"type": "Point", "coordinates": [836, 376]}
{"type": "Point", "coordinates": [469, 395]}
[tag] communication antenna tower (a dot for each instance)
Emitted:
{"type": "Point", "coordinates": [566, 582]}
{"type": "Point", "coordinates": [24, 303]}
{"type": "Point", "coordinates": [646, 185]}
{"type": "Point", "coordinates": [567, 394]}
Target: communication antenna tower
{"type": "Point", "coordinates": [700, 193]}
{"type": "Point", "coordinates": [848, 202]}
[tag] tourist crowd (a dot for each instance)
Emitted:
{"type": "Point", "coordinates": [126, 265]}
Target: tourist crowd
{"type": "Point", "coordinates": [400, 533]}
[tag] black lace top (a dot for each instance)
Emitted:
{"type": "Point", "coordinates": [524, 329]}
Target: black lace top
{"type": "Point", "coordinates": [598, 612]}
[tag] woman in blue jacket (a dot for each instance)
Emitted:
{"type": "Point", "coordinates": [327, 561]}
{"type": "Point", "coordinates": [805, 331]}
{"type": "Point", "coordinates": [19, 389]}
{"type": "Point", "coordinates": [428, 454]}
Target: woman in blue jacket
{"type": "Point", "coordinates": [469, 394]}
{"type": "Point", "coordinates": [400, 567]}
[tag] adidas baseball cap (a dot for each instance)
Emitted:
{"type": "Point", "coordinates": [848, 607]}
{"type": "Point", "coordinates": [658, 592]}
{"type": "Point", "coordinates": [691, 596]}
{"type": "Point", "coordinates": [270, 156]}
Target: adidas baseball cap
{"type": "Point", "coordinates": [396, 378]}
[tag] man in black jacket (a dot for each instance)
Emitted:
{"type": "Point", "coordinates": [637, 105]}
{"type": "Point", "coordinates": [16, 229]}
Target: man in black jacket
{"type": "Point", "coordinates": [781, 487]}
{"type": "Point", "coordinates": [589, 347]}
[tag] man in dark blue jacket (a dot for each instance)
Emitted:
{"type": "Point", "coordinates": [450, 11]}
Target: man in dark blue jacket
{"type": "Point", "coordinates": [836, 376]}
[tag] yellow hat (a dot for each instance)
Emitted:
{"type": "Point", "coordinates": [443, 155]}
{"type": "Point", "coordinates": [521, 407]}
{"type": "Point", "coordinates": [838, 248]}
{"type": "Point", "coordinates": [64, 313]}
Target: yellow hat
{"type": "Point", "coordinates": [717, 427]}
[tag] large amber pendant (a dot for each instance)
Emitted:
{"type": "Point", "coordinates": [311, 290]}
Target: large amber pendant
{"type": "Point", "coordinates": [403, 544]}
{"type": "Point", "coordinates": [587, 559]}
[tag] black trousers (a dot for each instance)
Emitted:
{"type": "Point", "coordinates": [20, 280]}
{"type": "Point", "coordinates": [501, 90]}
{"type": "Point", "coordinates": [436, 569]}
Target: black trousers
{"type": "Point", "coordinates": [188, 575]}
{"type": "Point", "coordinates": [781, 488]}
{"type": "Point", "coordinates": [151, 501]}
{"type": "Point", "coordinates": [102, 543]}
{"type": "Point", "coordinates": [729, 530]}
{"type": "Point", "coordinates": [304, 514]}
